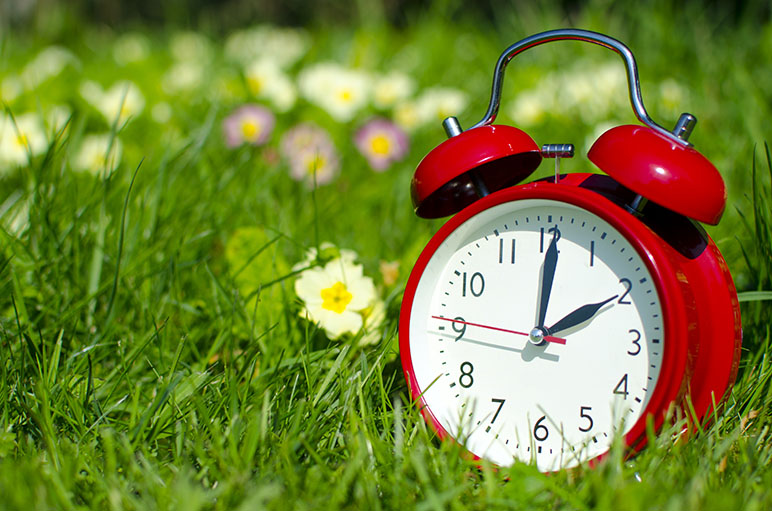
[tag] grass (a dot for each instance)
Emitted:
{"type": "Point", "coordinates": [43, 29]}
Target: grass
{"type": "Point", "coordinates": [137, 374]}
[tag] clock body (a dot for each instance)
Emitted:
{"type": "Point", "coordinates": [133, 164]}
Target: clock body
{"type": "Point", "coordinates": [640, 313]}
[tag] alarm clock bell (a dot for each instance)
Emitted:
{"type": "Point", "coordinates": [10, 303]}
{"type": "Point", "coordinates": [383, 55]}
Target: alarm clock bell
{"type": "Point", "coordinates": [657, 164]}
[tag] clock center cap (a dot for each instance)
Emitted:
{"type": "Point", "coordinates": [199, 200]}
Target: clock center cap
{"type": "Point", "coordinates": [536, 336]}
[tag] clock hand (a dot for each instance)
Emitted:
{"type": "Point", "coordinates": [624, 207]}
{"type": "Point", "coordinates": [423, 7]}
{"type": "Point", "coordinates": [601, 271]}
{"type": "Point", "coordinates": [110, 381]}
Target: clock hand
{"type": "Point", "coordinates": [548, 275]}
{"type": "Point", "coordinates": [556, 340]}
{"type": "Point", "coordinates": [580, 315]}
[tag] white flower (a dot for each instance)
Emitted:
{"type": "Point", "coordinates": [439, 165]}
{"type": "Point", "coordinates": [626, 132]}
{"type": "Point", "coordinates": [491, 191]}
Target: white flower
{"type": "Point", "coordinates": [530, 107]}
{"type": "Point", "coordinates": [673, 96]}
{"type": "Point", "coordinates": [374, 317]}
{"type": "Point", "coordinates": [283, 45]}
{"type": "Point", "coordinates": [328, 252]}
{"type": "Point", "coordinates": [438, 103]}
{"type": "Point", "coordinates": [11, 88]}
{"type": "Point", "coordinates": [336, 296]}
{"type": "Point", "coordinates": [20, 138]}
{"type": "Point", "coordinates": [130, 47]}
{"type": "Point", "coordinates": [14, 213]}
{"type": "Point", "coordinates": [98, 153]}
{"type": "Point", "coordinates": [592, 90]}
{"type": "Point", "coordinates": [390, 89]}
{"type": "Point", "coordinates": [47, 64]}
{"type": "Point", "coordinates": [121, 101]}
{"type": "Point", "coordinates": [265, 79]}
{"type": "Point", "coordinates": [183, 76]}
{"type": "Point", "coordinates": [190, 46]}
{"type": "Point", "coordinates": [406, 115]}
{"type": "Point", "coordinates": [57, 118]}
{"type": "Point", "coordinates": [340, 91]}
{"type": "Point", "coordinates": [161, 112]}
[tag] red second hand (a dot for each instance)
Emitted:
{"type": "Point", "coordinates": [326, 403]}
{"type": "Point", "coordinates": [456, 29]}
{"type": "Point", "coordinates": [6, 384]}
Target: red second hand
{"type": "Point", "coordinates": [548, 338]}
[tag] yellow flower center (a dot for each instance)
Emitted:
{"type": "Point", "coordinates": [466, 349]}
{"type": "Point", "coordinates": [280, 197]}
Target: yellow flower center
{"type": "Point", "coordinates": [250, 130]}
{"type": "Point", "coordinates": [316, 163]}
{"type": "Point", "coordinates": [346, 95]}
{"type": "Point", "coordinates": [336, 298]}
{"type": "Point", "coordinates": [22, 140]}
{"type": "Point", "coordinates": [255, 85]}
{"type": "Point", "coordinates": [380, 145]}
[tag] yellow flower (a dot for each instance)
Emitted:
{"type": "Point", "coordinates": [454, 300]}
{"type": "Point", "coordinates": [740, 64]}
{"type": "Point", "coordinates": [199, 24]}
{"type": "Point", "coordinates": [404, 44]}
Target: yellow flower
{"type": "Point", "coordinates": [337, 296]}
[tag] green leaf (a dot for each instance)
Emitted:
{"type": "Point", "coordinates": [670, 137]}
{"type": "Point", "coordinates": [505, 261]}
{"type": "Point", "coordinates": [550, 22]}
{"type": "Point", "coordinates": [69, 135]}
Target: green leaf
{"type": "Point", "coordinates": [754, 296]}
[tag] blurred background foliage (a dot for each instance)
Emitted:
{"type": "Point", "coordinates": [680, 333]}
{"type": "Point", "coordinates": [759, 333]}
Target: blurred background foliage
{"type": "Point", "coordinates": [231, 14]}
{"type": "Point", "coordinates": [708, 58]}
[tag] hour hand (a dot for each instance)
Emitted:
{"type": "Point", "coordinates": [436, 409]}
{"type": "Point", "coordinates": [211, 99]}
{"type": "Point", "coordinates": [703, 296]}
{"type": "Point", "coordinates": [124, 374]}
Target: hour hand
{"type": "Point", "coordinates": [580, 315]}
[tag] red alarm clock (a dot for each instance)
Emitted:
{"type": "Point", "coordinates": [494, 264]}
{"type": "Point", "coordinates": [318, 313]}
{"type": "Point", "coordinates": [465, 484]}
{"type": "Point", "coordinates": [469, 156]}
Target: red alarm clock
{"type": "Point", "coordinates": [545, 320]}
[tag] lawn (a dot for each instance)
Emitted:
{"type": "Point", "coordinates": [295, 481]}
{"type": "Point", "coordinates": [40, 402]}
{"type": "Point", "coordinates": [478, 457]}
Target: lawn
{"type": "Point", "coordinates": [173, 199]}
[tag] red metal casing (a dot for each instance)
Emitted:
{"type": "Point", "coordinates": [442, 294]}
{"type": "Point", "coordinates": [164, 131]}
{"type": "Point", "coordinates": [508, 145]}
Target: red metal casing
{"type": "Point", "coordinates": [499, 155]}
{"type": "Point", "coordinates": [668, 173]}
{"type": "Point", "coordinates": [699, 302]}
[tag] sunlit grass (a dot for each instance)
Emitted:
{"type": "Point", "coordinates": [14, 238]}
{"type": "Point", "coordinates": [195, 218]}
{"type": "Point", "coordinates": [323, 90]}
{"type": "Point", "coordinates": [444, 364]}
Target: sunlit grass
{"type": "Point", "coordinates": [154, 357]}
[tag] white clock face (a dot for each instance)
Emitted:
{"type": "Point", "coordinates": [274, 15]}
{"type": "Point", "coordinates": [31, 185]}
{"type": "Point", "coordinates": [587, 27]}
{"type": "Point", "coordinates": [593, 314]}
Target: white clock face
{"type": "Point", "coordinates": [536, 334]}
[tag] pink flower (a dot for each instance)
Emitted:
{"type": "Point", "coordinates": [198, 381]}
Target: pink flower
{"type": "Point", "coordinates": [248, 124]}
{"type": "Point", "coordinates": [312, 156]}
{"type": "Point", "coordinates": [382, 142]}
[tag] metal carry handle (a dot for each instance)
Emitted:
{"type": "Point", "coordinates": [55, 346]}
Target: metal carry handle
{"type": "Point", "coordinates": [681, 132]}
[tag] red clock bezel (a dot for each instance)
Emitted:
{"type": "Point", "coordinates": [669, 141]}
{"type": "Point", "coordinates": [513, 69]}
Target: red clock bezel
{"type": "Point", "coordinates": [679, 339]}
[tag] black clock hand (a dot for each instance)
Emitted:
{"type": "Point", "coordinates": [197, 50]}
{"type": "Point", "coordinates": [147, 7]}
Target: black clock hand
{"type": "Point", "coordinates": [578, 316]}
{"type": "Point", "coordinates": [547, 276]}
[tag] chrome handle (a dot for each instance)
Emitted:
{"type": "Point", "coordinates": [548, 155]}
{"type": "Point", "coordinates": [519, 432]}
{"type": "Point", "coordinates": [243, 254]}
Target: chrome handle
{"type": "Point", "coordinates": [682, 132]}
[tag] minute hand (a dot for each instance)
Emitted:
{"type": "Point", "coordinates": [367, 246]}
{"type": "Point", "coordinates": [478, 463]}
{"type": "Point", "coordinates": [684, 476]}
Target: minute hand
{"type": "Point", "coordinates": [580, 315]}
{"type": "Point", "coordinates": [548, 275]}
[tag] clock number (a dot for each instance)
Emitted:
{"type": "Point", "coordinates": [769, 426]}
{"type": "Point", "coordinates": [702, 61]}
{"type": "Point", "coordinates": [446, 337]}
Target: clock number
{"type": "Point", "coordinates": [584, 415]}
{"type": "Point", "coordinates": [502, 251]}
{"type": "Point", "coordinates": [501, 404]}
{"type": "Point", "coordinates": [459, 327]}
{"type": "Point", "coordinates": [540, 431]}
{"type": "Point", "coordinates": [466, 380]}
{"type": "Point", "coordinates": [552, 230]}
{"type": "Point", "coordinates": [636, 342]}
{"type": "Point", "coordinates": [621, 387]}
{"type": "Point", "coordinates": [476, 284]}
{"type": "Point", "coordinates": [628, 285]}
